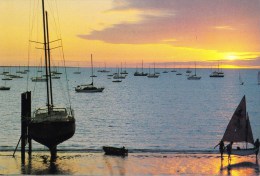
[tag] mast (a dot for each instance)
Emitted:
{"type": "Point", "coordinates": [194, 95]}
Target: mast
{"type": "Point", "coordinates": [49, 58]}
{"type": "Point", "coordinates": [195, 68]}
{"type": "Point", "coordinates": [45, 55]}
{"type": "Point", "coordinates": [142, 66]}
{"type": "Point", "coordinates": [92, 70]}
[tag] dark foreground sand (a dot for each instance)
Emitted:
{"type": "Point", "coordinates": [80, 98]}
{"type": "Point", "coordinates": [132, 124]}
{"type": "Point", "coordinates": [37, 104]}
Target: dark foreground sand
{"type": "Point", "coordinates": [133, 164]}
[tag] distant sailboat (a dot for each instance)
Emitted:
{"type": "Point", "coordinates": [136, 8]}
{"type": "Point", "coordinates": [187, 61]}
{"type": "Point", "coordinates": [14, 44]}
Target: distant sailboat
{"type": "Point", "coordinates": [123, 72]}
{"type": "Point", "coordinates": [240, 79]}
{"type": "Point", "coordinates": [140, 73]}
{"type": "Point", "coordinates": [5, 87]}
{"type": "Point", "coordinates": [89, 88]}
{"type": "Point", "coordinates": [117, 77]}
{"type": "Point", "coordinates": [194, 77]}
{"type": "Point", "coordinates": [239, 130]}
{"type": "Point", "coordinates": [152, 75]}
{"type": "Point", "coordinates": [217, 74]}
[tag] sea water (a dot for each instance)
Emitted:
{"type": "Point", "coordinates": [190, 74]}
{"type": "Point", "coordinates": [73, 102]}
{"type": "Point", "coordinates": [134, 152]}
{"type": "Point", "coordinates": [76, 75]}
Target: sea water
{"type": "Point", "coordinates": [169, 113]}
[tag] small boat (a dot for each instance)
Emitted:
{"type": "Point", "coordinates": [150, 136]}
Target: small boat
{"type": "Point", "coordinates": [39, 79]}
{"type": "Point", "coordinates": [115, 151]}
{"type": "Point", "coordinates": [117, 81]}
{"type": "Point", "coordinates": [7, 78]}
{"type": "Point", "coordinates": [5, 88]}
{"type": "Point", "coordinates": [188, 71]}
{"type": "Point", "coordinates": [239, 131]}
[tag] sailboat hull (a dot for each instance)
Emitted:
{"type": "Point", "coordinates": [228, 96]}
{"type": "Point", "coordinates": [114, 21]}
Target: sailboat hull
{"type": "Point", "coordinates": [244, 152]}
{"type": "Point", "coordinates": [50, 133]}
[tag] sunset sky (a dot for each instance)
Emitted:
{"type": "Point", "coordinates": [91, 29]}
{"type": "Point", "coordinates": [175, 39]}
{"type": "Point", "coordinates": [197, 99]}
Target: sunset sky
{"type": "Point", "coordinates": [168, 32]}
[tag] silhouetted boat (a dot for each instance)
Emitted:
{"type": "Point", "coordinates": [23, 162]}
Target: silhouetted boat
{"type": "Point", "coordinates": [239, 131]}
{"type": "Point", "coordinates": [89, 88]}
{"type": "Point", "coordinates": [5, 88]}
{"type": "Point", "coordinates": [217, 74]}
{"type": "Point", "coordinates": [153, 75]}
{"type": "Point", "coordinates": [50, 125]}
{"type": "Point", "coordinates": [140, 73]}
{"type": "Point", "coordinates": [194, 77]}
{"type": "Point", "coordinates": [115, 151]}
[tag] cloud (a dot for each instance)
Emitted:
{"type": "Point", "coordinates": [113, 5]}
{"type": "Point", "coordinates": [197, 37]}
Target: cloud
{"type": "Point", "coordinates": [224, 28]}
{"type": "Point", "coordinates": [183, 21]}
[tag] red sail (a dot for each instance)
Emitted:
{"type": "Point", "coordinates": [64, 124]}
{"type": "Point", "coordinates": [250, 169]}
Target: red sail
{"type": "Point", "coordinates": [239, 128]}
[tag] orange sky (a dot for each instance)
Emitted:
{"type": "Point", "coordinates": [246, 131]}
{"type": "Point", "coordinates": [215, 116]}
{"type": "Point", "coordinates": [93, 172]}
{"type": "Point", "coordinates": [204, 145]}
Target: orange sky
{"type": "Point", "coordinates": [168, 32]}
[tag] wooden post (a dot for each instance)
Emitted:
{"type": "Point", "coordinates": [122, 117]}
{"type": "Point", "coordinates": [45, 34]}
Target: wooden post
{"type": "Point", "coordinates": [25, 118]}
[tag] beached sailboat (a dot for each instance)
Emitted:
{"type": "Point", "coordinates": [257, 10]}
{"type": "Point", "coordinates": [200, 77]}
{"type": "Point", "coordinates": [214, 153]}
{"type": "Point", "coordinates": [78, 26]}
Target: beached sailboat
{"type": "Point", "coordinates": [239, 131]}
{"type": "Point", "coordinates": [50, 125]}
{"type": "Point", "coordinates": [89, 88]}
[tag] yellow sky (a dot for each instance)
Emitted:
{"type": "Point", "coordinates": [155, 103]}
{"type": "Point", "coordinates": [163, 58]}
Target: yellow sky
{"type": "Point", "coordinates": [115, 31]}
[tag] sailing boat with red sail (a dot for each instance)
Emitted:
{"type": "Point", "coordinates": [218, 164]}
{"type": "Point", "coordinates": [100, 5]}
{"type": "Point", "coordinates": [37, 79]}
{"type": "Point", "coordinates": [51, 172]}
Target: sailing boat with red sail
{"type": "Point", "coordinates": [239, 131]}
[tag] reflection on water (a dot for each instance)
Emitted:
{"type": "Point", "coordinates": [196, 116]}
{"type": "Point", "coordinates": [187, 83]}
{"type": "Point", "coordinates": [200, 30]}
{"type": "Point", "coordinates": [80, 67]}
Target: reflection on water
{"type": "Point", "coordinates": [69, 163]}
{"type": "Point", "coordinates": [240, 166]}
{"type": "Point", "coordinates": [43, 164]}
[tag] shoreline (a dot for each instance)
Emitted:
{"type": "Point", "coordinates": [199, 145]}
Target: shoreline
{"type": "Point", "coordinates": [79, 163]}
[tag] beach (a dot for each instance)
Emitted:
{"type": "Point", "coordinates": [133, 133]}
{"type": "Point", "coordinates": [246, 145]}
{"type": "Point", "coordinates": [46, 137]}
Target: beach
{"type": "Point", "coordinates": [81, 163]}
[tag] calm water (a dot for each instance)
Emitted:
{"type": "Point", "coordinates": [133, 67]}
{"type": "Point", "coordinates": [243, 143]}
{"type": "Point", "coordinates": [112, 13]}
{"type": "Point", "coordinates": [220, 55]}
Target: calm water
{"type": "Point", "coordinates": [168, 113]}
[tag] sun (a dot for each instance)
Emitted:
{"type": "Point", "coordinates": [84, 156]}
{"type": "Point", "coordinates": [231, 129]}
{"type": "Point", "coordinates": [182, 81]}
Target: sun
{"type": "Point", "coordinates": [231, 57]}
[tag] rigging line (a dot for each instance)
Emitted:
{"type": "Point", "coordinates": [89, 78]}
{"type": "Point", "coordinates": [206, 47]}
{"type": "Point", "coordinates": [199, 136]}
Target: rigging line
{"type": "Point", "coordinates": [66, 75]}
{"type": "Point", "coordinates": [53, 16]}
{"type": "Point", "coordinates": [58, 19]}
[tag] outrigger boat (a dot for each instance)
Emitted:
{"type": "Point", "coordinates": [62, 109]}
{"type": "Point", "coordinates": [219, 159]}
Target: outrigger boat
{"type": "Point", "coordinates": [239, 131]}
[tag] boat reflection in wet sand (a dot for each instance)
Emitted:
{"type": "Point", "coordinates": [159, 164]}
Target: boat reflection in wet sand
{"type": "Point", "coordinates": [115, 151]}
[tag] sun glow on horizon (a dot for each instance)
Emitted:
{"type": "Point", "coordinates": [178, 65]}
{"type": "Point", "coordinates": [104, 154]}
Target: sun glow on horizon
{"type": "Point", "coordinates": [231, 56]}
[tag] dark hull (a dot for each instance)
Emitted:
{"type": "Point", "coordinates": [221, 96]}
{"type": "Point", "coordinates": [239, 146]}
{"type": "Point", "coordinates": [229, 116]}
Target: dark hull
{"type": "Point", "coordinates": [115, 151]}
{"type": "Point", "coordinates": [51, 134]}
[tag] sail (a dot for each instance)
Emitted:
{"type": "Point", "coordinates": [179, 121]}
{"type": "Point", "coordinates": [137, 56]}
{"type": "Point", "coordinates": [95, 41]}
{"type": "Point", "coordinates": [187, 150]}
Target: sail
{"type": "Point", "coordinates": [239, 128]}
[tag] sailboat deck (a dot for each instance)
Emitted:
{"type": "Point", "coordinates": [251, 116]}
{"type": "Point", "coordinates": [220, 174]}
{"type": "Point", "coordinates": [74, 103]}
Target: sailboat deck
{"type": "Point", "coordinates": [56, 114]}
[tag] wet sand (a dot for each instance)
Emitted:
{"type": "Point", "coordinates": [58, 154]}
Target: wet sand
{"type": "Point", "coordinates": [134, 164]}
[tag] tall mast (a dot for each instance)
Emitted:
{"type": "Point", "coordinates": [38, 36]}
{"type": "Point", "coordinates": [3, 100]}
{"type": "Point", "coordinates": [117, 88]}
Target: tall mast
{"type": "Point", "coordinates": [142, 66]}
{"type": "Point", "coordinates": [45, 55]}
{"type": "Point", "coordinates": [195, 68]}
{"type": "Point", "coordinates": [92, 69]}
{"type": "Point", "coordinates": [49, 57]}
